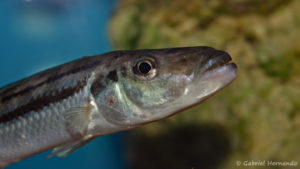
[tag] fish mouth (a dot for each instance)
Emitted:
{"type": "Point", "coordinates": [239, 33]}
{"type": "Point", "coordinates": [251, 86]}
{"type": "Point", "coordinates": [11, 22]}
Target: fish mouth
{"type": "Point", "coordinates": [218, 73]}
{"type": "Point", "coordinates": [218, 65]}
{"type": "Point", "coordinates": [220, 69]}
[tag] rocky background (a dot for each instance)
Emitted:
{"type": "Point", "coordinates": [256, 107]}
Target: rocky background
{"type": "Point", "coordinates": [257, 117]}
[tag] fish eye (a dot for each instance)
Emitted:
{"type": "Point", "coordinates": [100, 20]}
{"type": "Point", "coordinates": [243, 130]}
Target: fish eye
{"type": "Point", "coordinates": [145, 68]}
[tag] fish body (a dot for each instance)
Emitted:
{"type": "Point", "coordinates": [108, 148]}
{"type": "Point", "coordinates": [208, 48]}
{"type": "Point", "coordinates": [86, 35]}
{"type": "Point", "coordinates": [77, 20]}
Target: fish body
{"type": "Point", "coordinates": [67, 106]}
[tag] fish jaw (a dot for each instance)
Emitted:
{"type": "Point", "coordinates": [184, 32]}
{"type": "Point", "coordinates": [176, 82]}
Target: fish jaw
{"type": "Point", "coordinates": [218, 73]}
{"type": "Point", "coordinates": [216, 79]}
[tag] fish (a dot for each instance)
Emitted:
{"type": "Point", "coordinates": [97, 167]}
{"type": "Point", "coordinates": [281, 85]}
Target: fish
{"type": "Point", "coordinates": [65, 107]}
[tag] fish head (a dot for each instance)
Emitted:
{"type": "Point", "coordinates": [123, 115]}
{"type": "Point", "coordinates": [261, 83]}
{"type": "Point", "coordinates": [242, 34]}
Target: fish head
{"type": "Point", "coordinates": [155, 84]}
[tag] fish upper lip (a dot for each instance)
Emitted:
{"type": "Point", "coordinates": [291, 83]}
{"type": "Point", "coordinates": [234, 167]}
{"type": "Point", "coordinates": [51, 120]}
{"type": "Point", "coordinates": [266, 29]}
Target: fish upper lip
{"type": "Point", "coordinates": [221, 60]}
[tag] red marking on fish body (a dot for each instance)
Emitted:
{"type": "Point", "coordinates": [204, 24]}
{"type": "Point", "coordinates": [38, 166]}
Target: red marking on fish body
{"type": "Point", "coordinates": [111, 100]}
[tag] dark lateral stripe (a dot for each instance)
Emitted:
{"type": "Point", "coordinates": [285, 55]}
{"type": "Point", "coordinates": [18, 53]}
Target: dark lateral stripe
{"type": "Point", "coordinates": [41, 102]}
{"type": "Point", "coordinates": [49, 80]}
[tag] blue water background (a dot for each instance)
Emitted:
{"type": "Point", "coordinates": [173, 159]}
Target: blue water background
{"type": "Point", "coordinates": [38, 34]}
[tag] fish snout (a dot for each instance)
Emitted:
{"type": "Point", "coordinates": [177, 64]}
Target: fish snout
{"type": "Point", "coordinates": [219, 59]}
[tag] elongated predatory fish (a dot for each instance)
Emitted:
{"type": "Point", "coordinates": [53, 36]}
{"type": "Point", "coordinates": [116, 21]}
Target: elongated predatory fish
{"type": "Point", "coordinates": [67, 106]}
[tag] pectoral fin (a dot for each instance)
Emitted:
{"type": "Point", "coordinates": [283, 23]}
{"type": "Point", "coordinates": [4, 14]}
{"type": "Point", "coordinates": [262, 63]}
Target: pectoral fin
{"type": "Point", "coordinates": [77, 119]}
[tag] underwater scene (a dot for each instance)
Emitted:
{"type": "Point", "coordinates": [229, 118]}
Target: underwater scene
{"type": "Point", "coordinates": [252, 123]}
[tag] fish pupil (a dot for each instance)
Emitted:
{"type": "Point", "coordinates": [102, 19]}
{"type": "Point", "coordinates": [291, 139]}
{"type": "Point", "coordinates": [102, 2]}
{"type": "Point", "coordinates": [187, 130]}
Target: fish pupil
{"type": "Point", "coordinates": [145, 68]}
